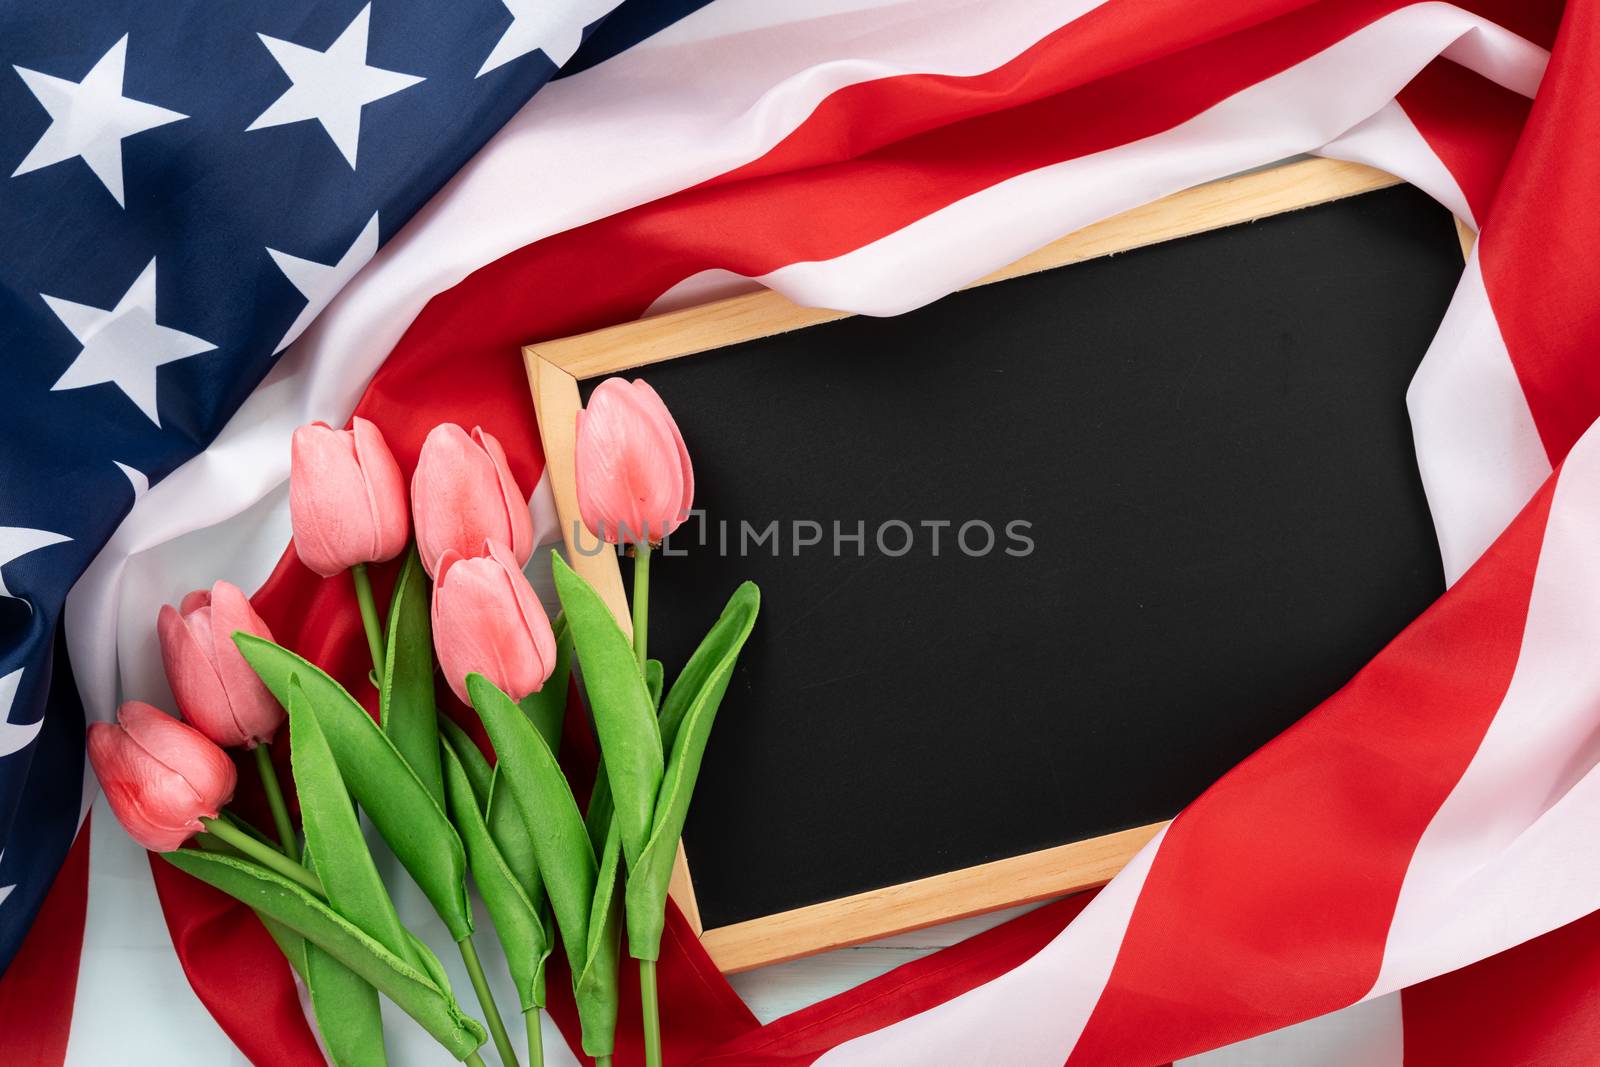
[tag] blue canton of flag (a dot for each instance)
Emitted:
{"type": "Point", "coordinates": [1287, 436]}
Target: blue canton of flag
{"type": "Point", "coordinates": [187, 186]}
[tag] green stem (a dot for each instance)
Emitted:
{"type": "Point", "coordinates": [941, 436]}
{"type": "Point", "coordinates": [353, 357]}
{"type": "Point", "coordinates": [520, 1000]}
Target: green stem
{"type": "Point", "coordinates": [280, 810]}
{"type": "Point", "coordinates": [650, 1010]}
{"type": "Point", "coordinates": [369, 615]}
{"type": "Point", "coordinates": [473, 1060]}
{"type": "Point", "coordinates": [603, 1061]}
{"type": "Point", "coordinates": [265, 855]}
{"type": "Point", "coordinates": [491, 1014]}
{"type": "Point", "coordinates": [531, 1020]}
{"type": "Point", "coordinates": [641, 602]}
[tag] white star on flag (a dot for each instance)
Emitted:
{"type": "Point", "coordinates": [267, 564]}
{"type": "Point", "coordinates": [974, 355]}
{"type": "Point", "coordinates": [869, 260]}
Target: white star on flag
{"type": "Point", "coordinates": [538, 25]}
{"type": "Point", "coordinates": [124, 345]}
{"type": "Point", "coordinates": [5, 890]}
{"type": "Point", "coordinates": [14, 737]}
{"type": "Point", "coordinates": [89, 119]}
{"type": "Point", "coordinates": [16, 542]}
{"type": "Point", "coordinates": [332, 86]}
{"type": "Point", "coordinates": [320, 282]}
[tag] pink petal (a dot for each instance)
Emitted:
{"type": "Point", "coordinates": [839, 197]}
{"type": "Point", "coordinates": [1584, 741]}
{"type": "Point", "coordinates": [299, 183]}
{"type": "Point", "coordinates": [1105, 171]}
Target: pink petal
{"type": "Point", "coordinates": [519, 520]}
{"type": "Point", "coordinates": [539, 638]}
{"type": "Point", "coordinates": [256, 712]}
{"type": "Point", "coordinates": [630, 477]}
{"type": "Point", "coordinates": [456, 496]}
{"type": "Point", "coordinates": [330, 535]}
{"type": "Point", "coordinates": [135, 789]}
{"type": "Point", "coordinates": [190, 671]}
{"type": "Point", "coordinates": [159, 775]}
{"type": "Point", "coordinates": [385, 492]}
{"type": "Point", "coordinates": [687, 501]}
{"type": "Point", "coordinates": [483, 625]}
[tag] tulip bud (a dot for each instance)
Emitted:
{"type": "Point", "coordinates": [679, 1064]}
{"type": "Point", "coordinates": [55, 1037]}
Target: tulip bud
{"type": "Point", "coordinates": [160, 776]}
{"type": "Point", "coordinates": [463, 494]}
{"type": "Point", "coordinates": [216, 690]}
{"type": "Point", "coordinates": [487, 620]}
{"type": "Point", "coordinates": [347, 500]}
{"type": "Point", "coordinates": [635, 483]}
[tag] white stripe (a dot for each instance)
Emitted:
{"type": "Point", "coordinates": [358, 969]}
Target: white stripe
{"type": "Point", "coordinates": [1389, 140]}
{"type": "Point", "coordinates": [1006, 1020]}
{"type": "Point", "coordinates": [1478, 450]}
{"type": "Point", "coordinates": [647, 123]}
{"type": "Point", "coordinates": [1368, 1034]}
{"type": "Point", "coordinates": [1511, 853]}
{"type": "Point", "coordinates": [1477, 447]}
{"type": "Point", "coordinates": [134, 1006]}
{"type": "Point", "coordinates": [1285, 115]}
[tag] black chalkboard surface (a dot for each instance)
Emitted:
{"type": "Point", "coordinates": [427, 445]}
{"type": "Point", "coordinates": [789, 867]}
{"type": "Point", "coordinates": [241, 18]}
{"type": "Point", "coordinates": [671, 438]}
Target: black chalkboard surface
{"type": "Point", "coordinates": [1207, 441]}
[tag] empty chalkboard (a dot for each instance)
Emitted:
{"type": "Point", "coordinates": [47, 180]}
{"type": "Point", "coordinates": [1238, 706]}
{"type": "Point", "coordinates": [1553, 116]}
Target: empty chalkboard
{"type": "Point", "coordinates": [1042, 560]}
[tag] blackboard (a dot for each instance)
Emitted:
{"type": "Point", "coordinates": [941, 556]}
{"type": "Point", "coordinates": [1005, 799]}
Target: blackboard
{"type": "Point", "coordinates": [1208, 443]}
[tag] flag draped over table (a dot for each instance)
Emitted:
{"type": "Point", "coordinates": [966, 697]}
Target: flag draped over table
{"type": "Point", "coordinates": [1429, 828]}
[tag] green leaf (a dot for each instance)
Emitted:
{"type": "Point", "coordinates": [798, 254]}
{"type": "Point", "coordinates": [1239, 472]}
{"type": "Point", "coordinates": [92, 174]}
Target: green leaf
{"type": "Point", "coordinates": [500, 811]}
{"type": "Point", "coordinates": [349, 1017]}
{"type": "Point", "coordinates": [624, 714]}
{"type": "Point", "coordinates": [511, 838]}
{"type": "Point", "coordinates": [692, 707]}
{"type": "Point", "coordinates": [479, 773]}
{"type": "Point", "coordinates": [291, 944]}
{"type": "Point", "coordinates": [602, 812]}
{"type": "Point", "coordinates": [379, 778]}
{"type": "Point", "coordinates": [548, 707]}
{"type": "Point", "coordinates": [730, 630]}
{"type": "Point", "coordinates": [597, 988]}
{"type": "Point", "coordinates": [398, 979]}
{"type": "Point", "coordinates": [350, 879]}
{"type": "Point", "coordinates": [529, 771]}
{"type": "Point", "coordinates": [654, 679]}
{"type": "Point", "coordinates": [406, 696]}
{"type": "Point", "coordinates": [423, 955]}
{"type": "Point", "coordinates": [516, 919]}
{"type": "Point", "coordinates": [346, 1006]}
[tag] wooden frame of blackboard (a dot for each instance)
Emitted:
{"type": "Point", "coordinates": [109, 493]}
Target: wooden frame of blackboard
{"type": "Point", "coordinates": [556, 367]}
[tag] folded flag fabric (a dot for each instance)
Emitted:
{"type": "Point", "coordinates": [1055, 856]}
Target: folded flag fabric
{"type": "Point", "coordinates": [1405, 874]}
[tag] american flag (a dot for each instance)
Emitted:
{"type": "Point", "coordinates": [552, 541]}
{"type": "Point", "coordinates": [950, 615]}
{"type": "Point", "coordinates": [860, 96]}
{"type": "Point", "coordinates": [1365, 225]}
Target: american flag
{"type": "Point", "coordinates": [1406, 876]}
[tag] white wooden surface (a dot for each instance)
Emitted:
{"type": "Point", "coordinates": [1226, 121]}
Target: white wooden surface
{"type": "Point", "coordinates": [777, 990]}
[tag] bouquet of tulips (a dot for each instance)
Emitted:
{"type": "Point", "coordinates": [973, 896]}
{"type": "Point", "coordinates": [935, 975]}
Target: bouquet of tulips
{"type": "Point", "coordinates": [462, 607]}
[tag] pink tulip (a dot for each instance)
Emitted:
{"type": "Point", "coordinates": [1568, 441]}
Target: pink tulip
{"type": "Point", "coordinates": [634, 479]}
{"type": "Point", "coordinates": [216, 690]}
{"type": "Point", "coordinates": [160, 776]}
{"type": "Point", "coordinates": [487, 620]}
{"type": "Point", "coordinates": [347, 500]}
{"type": "Point", "coordinates": [463, 494]}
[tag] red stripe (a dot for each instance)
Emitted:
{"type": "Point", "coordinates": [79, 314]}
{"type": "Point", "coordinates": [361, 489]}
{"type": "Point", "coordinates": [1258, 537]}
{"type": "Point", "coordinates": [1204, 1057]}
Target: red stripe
{"type": "Point", "coordinates": [1536, 1005]}
{"type": "Point", "coordinates": [1539, 262]}
{"type": "Point", "coordinates": [913, 987]}
{"type": "Point", "coordinates": [236, 971]}
{"type": "Point", "coordinates": [38, 989]}
{"type": "Point", "coordinates": [1471, 124]}
{"type": "Point", "coordinates": [1153, 62]}
{"type": "Point", "coordinates": [1280, 881]}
